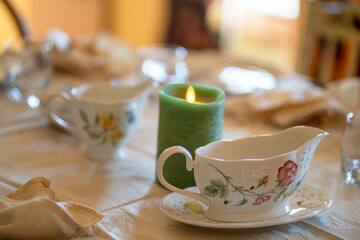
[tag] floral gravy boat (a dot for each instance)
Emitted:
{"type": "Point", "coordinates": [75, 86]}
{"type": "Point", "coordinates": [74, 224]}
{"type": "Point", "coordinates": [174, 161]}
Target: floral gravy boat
{"type": "Point", "coordinates": [249, 179]}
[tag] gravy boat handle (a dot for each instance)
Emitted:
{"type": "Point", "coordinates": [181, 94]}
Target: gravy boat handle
{"type": "Point", "coordinates": [189, 166]}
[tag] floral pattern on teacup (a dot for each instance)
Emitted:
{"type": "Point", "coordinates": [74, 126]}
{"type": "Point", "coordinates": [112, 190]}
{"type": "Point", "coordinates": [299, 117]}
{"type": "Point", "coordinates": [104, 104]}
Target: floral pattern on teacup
{"type": "Point", "coordinates": [286, 175]}
{"type": "Point", "coordinates": [105, 127]}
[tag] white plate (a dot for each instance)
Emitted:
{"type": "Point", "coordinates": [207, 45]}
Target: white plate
{"type": "Point", "coordinates": [306, 202]}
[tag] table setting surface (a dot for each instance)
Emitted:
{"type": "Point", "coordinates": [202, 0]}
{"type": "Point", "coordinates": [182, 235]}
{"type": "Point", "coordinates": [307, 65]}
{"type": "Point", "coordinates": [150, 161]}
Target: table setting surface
{"type": "Point", "coordinates": [127, 194]}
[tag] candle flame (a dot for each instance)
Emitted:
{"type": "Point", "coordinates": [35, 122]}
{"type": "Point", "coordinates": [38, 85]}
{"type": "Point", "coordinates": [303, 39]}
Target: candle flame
{"type": "Point", "coordinates": [190, 95]}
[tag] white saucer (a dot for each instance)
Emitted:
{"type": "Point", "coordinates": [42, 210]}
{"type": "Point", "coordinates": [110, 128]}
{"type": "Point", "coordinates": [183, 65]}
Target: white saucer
{"type": "Point", "coordinates": [306, 202]}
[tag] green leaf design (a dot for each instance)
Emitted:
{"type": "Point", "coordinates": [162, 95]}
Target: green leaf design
{"type": "Point", "coordinates": [277, 198]}
{"type": "Point", "coordinates": [283, 191]}
{"type": "Point", "coordinates": [284, 196]}
{"type": "Point", "coordinates": [260, 183]}
{"type": "Point", "coordinates": [228, 178]}
{"type": "Point", "coordinates": [97, 120]}
{"type": "Point", "coordinates": [237, 188]}
{"type": "Point", "coordinates": [277, 186]}
{"type": "Point", "coordinates": [104, 140]}
{"type": "Point", "coordinates": [242, 202]}
{"type": "Point", "coordinates": [217, 188]}
{"type": "Point", "coordinates": [83, 116]}
{"type": "Point", "coordinates": [217, 183]}
{"type": "Point", "coordinates": [223, 192]}
{"type": "Point", "coordinates": [211, 191]}
{"type": "Point", "coordinates": [94, 135]}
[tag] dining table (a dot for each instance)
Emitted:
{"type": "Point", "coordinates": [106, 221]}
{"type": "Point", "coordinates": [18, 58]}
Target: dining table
{"type": "Point", "coordinates": [126, 191]}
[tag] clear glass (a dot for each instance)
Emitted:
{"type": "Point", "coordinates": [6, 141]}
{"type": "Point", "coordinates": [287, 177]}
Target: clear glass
{"type": "Point", "coordinates": [27, 69]}
{"type": "Point", "coordinates": [162, 64]}
{"type": "Point", "coordinates": [350, 148]}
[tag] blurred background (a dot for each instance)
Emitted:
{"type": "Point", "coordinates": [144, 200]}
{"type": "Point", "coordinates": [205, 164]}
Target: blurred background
{"type": "Point", "coordinates": [261, 30]}
{"type": "Point", "coordinates": [285, 34]}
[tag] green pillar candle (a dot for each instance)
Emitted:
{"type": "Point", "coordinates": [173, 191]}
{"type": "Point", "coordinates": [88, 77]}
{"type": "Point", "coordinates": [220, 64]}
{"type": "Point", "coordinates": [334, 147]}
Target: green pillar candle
{"type": "Point", "coordinates": [186, 124]}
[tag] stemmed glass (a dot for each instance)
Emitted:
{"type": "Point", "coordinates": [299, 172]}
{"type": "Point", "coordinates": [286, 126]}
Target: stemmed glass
{"type": "Point", "coordinates": [27, 69]}
{"type": "Point", "coordinates": [162, 64]}
{"type": "Point", "coordinates": [350, 148]}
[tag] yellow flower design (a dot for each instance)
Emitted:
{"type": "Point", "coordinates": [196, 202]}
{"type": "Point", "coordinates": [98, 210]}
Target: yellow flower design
{"type": "Point", "coordinates": [107, 122]}
{"type": "Point", "coordinates": [115, 135]}
{"type": "Point", "coordinates": [104, 127]}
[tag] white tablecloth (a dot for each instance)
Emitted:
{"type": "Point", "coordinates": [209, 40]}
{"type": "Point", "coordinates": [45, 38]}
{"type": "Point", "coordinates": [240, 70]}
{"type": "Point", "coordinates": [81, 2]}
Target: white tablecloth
{"type": "Point", "coordinates": [125, 191]}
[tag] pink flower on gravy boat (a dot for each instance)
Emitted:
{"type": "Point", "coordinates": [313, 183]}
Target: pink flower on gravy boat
{"type": "Point", "coordinates": [261, 199]}
{"type": "Point", "coordinates": [265, 179]}
{"type": "Point", "coordinates": [286, 174]}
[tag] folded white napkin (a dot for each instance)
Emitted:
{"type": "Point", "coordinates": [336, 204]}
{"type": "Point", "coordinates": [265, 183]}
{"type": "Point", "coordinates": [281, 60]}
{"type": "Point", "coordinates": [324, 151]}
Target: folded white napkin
{"type": "Point", "coordinates": [294, 101]}
{"type": "Point", "coordinates": [31, 212]}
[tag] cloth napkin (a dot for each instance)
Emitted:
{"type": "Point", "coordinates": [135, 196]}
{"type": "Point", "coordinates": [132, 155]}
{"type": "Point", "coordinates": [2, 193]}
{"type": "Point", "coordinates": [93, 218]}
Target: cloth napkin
{"type": "Point", "coordinates": [31, 212]}
{"type": "Point", "coordinates": [295, 100]}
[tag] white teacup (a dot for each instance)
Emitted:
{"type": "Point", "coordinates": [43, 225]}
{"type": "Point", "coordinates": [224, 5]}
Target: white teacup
{"type": "Point", "coordinates": [102, 116]}
{"type": "Point", "coordinates": [248, 179]}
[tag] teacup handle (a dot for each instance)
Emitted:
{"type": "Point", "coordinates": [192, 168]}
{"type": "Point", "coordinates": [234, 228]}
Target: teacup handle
{"type": "Point", "coordinates": [189, 166]}
{"type": "Point", "coordinates": [56, 119]}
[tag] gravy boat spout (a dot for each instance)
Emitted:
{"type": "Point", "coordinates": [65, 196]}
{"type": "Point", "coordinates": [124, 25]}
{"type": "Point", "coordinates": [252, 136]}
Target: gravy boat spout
{"type": "Point", "coordinates": [265, 147]}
